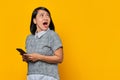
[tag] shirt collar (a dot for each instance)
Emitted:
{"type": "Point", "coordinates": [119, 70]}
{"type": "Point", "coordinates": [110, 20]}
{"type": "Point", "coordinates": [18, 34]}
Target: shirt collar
{"type": "Point", "coordinates": [40, 34]}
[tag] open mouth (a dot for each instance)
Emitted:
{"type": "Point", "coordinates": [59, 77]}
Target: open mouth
{"type": "Point", "coordinates": [45, 23]}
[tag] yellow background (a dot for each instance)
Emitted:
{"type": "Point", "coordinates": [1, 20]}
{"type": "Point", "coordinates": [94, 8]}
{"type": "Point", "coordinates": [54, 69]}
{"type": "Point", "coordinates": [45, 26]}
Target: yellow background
{"type": "Point", "coordinates": [89, 29]}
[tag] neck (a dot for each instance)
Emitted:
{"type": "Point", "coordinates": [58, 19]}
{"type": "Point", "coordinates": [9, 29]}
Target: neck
{"type": "Point", "coordinates": [38, 29]}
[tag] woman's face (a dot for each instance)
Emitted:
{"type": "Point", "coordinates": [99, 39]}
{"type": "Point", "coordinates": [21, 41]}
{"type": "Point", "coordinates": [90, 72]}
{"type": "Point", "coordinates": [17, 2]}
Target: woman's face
{"type": "Point", "coordinates": [42, 20]}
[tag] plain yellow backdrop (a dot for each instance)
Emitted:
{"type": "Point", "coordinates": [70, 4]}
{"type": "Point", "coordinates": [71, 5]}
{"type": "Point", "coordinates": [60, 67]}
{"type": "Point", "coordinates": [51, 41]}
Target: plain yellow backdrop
{"type": "Point", "coordinates": [89, 29]}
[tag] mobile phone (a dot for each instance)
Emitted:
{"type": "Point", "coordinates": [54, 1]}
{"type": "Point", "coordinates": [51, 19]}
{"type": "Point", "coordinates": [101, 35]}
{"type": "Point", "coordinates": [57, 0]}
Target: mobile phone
{"type": "Point", "coordinates": [21, 51]}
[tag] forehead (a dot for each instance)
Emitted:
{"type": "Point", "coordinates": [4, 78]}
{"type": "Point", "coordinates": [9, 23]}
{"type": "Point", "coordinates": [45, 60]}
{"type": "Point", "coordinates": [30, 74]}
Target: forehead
{"type": "Point", "coordinates": [42, 12]}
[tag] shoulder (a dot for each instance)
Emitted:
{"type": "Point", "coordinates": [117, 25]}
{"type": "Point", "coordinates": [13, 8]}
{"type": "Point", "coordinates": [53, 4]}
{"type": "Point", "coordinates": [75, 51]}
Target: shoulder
{"type": "Point", "coordinates": [29, 36]}
{"type": "Point", "coordinates": [53, 36]}
{"type": "Point", "coordinates": [52, 33]}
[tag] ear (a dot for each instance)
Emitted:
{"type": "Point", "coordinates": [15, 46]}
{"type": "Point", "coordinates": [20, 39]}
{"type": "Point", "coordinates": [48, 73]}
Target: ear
{"type": "Point", "coordinates": [34, 21]}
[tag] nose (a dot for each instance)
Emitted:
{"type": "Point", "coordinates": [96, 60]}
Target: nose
{"type": "Point", "coordinates": [45, 19]}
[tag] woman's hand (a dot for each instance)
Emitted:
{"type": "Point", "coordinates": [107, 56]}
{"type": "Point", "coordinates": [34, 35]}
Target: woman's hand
{"type": "Point", "coordinates": [56, 58]}
{"type": "Point", "coordinates": [24, 58]}
{"type": "Point", "coordinates": [32, 57]}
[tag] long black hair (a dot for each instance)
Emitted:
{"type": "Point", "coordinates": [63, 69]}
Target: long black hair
{"type": "Point", "coordinates": [33, 26]}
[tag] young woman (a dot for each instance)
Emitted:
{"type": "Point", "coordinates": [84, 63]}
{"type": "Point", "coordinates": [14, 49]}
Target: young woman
{"type": "Point", "coordinates": [44, 47]}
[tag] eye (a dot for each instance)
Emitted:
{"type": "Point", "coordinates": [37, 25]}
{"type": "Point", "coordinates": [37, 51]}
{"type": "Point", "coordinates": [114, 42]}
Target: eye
{"type": "Point", "coordinates": [41, 15]}
{"type": "Point", "coordinates": [48, 15]}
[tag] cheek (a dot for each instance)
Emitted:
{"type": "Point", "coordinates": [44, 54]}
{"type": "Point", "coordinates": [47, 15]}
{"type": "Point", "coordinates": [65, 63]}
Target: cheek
{"type": "Point", "coordinates": [49, 21]}
{"type": "Point", "coordinates": [39, 21]}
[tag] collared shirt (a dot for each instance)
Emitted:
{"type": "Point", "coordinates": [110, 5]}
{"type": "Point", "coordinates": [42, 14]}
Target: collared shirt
{"type": "Point", "coordinates": [45, 45]}
{"type": "Point", "coordinates": [40, 34]}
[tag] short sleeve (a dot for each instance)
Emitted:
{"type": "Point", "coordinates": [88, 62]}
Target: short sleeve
{"type": "Point", "coordinates": [55, 41]}
{"type": "Point", "coordinates": [27, 42]}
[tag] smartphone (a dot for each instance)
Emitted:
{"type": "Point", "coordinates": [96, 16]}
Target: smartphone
{"type": "Point", "coordinates": [21, 51]}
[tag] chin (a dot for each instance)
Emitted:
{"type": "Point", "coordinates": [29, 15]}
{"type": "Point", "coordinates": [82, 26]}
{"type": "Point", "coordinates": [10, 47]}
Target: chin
{"type": "Point", "coordinates": [45, 29]}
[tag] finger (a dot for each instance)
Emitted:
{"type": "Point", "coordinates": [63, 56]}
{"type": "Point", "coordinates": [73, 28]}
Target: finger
{"type": "Point", "coordinates": [30, 58]}
{"type": "Point", "coordinates": [24, 59]}
{"type": "Point", "coordinates": [25, 54]}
